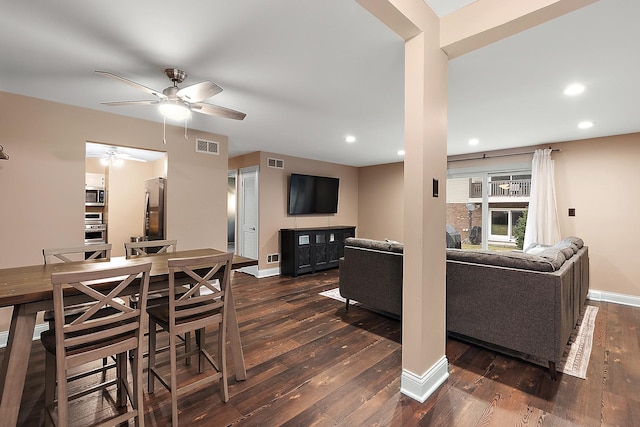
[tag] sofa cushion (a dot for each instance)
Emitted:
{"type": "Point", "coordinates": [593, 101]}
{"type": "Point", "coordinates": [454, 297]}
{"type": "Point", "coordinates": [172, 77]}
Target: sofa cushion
{"type": "Point", "coordinates": [549, 260]}
{"type": "Point", "coordinates": [374, 244]}
{"type": "Point", "coordinates": [567, 248]}
{"type": "Point", "coordinates": [575, 240]}
{"type": "Point", "coordinates": [536, 249]}
{"type": "Point", "coordinates": [555, 256]}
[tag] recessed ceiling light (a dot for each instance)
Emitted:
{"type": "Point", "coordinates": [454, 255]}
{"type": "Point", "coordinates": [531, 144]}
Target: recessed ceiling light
{"type": "Point", "coordinates": [574, 89]}
{"type": "Point", "coordinates": [585, 125]}
{"type": "Point", "coordinates": [400, 152]}
{"type": "Point", "coordinates": [350, 138]}
{"type": "Point", "coordinates": [474, 141]}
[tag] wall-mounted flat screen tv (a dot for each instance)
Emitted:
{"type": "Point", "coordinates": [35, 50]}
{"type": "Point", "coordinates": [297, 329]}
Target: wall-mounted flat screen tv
{"type": "Point", "coordinates": [310, 194]}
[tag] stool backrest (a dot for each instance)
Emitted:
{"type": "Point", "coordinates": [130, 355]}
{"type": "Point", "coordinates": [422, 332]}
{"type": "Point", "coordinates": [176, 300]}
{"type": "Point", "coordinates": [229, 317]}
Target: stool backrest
{"type": "Point", "coordinates": [81, 253]}
{"type": "Point", "coordinates": [203, 299]}
{"type": "Point", "coordinates": [133, 249]}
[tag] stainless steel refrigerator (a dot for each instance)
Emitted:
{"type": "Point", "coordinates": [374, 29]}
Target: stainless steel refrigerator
{"type": "Point", "coordinates": [155, 208]}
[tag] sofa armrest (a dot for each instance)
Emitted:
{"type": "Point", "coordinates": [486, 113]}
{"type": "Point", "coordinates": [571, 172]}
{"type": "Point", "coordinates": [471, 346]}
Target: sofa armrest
{"type": "Point", "coordinates": [373, 278]}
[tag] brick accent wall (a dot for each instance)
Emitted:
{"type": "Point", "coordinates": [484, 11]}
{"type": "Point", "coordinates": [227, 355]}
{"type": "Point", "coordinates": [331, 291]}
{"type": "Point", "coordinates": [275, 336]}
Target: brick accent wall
{"type": "Point", "coordinates": [458, 218]}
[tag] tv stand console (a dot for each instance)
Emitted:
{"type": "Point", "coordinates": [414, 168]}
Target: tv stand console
{"type": "Point", "coordinates": [307, 250]}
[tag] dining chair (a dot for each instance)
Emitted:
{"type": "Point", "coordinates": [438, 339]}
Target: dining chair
{"type": "Point", "coordinates": [144, 248]}
{"type": "Point", "coordinates": [78, 341]}
{"type": "Point", "coordinates": [192, 311]}
{"type": "Point", "coordinates": [71, 254]}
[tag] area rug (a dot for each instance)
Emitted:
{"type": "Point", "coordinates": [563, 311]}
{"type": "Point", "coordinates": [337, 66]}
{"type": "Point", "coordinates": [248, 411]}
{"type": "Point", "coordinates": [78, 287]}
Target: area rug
{"type": "Point", "coordinates": [335, 294]}
{"type": "Point", "coordinates": [575, 359]}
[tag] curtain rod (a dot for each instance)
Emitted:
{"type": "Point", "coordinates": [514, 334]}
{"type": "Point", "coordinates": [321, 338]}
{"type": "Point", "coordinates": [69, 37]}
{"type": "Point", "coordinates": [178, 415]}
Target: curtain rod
{"type": "Point", "coordinates": [484, 156]}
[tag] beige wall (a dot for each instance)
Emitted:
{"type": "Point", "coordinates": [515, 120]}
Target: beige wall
{"type": "Point", "coordinates": [597, 177]}
{"type": "Point", "coordinates": [381, 202]}
{"type": "Point", "coordinates": [42, 196]}
{"type": "Point", "coordinates": [273, 197]}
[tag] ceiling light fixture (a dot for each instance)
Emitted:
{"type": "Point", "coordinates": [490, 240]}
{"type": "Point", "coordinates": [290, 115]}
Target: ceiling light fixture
{"type": "Point", "coordinates": [474, 141]}
{"type": "Point", "coordinates": [350, 139]}
{"type": "Point", "coordinates": [585, 125]}
{"type": "Point", "coordinates": [174, 109]}
{"type": "Point", "coordinates": [111, 158]}
{"type": "Point", "coordinates": [574, 89]}
{"type": "Point", "coordinates": [400, 152]}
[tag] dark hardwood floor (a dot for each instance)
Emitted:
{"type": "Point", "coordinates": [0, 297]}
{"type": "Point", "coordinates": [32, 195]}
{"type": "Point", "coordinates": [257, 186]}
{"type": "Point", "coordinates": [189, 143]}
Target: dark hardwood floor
{"type": "Point", "coordinates": [311, 363]}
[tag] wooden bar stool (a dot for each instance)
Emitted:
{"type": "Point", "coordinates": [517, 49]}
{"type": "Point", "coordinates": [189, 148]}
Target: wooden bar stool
{"type": "Point", "coordinates": [202, 306]}
{"type": "Point", "coordinates": [143, 248]}
{"type": "Point", "coordinates": [93, 335]}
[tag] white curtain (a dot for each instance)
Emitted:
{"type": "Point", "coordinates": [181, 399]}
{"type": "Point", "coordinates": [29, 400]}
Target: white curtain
{"type": "Point", "coordinates": [543, 225]}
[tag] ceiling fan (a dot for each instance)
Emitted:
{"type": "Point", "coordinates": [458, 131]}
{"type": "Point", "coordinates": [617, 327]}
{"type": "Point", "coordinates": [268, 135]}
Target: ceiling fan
{"type": "Point", "coordinates": [115, 156]}
{"type": "Point", "coordinates": [176, 103]}
{"type": "Point", "coordinates": [111, 154]}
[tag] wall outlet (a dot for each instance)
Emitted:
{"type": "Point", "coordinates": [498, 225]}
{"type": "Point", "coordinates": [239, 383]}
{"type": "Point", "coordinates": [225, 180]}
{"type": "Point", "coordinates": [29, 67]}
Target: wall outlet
{"type": "Point", "coordinates": [273, 258]}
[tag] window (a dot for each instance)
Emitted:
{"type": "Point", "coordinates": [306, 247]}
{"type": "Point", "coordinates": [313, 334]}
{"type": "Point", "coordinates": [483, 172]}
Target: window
{"type": "Point", "coordinates": [503, 223]}
{"type": "Point", "coordinates": [485, 203]}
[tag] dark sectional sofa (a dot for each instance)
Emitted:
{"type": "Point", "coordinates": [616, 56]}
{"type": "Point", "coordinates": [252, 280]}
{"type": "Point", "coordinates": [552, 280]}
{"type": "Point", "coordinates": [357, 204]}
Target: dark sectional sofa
{"type": "Point", "coordinates": [371, 273]}
{"type": "Point", "coordinates": [512, 301]}
{"type": "Point", "coordinates": [521, 302]}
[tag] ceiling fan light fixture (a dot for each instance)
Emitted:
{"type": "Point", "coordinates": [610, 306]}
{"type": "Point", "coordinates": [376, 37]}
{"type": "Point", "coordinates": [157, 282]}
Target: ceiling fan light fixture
{"type": "Point", "coordinates": [111, 158]}
{"type": "Point", "coordinates": [574, 89]}
{"type": "Point", "coordinates": [174, 110]}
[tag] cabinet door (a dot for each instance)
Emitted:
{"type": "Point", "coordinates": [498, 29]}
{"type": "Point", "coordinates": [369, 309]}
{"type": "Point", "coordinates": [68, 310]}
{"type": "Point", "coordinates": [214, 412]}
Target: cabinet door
{"type": "Point", "coordinates": [333, 246]}
{"type": "Point", "coordinates": [303, 253]}
{"type": "Point", "coordinates": [320, 250]}
{"type": "Point", "coordinates": [344, 234]}
{"type": "Point", "coordinates": [94, 180]}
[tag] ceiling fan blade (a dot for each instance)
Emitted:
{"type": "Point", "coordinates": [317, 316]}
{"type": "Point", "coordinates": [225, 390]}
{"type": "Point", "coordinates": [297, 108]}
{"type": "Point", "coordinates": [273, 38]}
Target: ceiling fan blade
{"type": "Point", "coordinates": [199, 91]}
{"type": "Point", "coordinates": [129, 157]}
{"type": "Point", "coordinates": [118, 103]}
{"type": "Point", "coordinates": [132, 83]}
{"type": "Point", "coordinates": [215, 110]}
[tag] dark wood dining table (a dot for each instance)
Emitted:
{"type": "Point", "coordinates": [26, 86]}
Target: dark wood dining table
{"type": "Point", "coordinates": [28, 290]}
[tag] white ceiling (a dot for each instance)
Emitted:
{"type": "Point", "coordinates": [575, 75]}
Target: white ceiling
{"type": "Point", "coordinates": [307, 73]}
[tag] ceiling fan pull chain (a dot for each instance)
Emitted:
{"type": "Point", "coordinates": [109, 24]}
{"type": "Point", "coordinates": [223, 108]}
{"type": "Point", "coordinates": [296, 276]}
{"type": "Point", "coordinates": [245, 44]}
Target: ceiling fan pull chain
{"type": "Point", "coordinates": [164, 130]}
{"type": "Point", "coordinates": [185, 130]}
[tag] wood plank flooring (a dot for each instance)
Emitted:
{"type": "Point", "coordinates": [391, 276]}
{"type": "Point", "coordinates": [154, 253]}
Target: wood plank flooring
{"type": "Point", "coordinates": [311, 363]}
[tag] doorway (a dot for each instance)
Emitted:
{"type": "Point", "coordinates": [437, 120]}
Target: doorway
{"type": "Point", "coordinates": [123, 171]}
{"type": "Point", "coordinates": [248, 213]}
{"type": "Point", "coordinates": [232, 201]}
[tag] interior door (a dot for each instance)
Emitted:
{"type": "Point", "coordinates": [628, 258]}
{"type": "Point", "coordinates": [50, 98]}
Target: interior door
{"type": "Point", "coordinates": [248, 242]}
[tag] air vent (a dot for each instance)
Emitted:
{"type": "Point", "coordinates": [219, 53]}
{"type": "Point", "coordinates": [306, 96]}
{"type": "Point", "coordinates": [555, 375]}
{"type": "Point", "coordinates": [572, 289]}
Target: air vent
{"type": "Point", "coordinates": [207, 147]}
{"type": "Point", "coordinates": [275, 163]}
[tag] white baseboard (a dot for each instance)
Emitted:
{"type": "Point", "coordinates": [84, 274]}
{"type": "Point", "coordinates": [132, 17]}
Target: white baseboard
{"type": "Point", "coordinates": [420, 387]}
{"type": "Point", "coordinates": [41, 327]}
{"type": "Point", "coordinates": [595, 295]}
{"type": "Point", "coordinates": [253, 270]}
{"type": "Point", "coordinates": [268, 272]}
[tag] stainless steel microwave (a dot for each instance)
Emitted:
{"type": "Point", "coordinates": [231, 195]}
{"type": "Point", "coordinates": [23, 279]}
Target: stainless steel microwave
{"type": "Point", "coordinates": [94, 196]}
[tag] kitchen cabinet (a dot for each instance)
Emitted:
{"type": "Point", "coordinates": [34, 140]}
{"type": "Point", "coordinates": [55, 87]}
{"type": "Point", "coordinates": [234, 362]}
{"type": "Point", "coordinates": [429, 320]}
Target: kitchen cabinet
{"type": "Point", "coordinates": [94, 180]}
